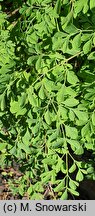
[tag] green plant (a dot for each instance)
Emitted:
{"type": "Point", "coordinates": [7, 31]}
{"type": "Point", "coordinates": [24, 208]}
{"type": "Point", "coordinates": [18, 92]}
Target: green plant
{"type": "Point", "coordinates": [47, 93]}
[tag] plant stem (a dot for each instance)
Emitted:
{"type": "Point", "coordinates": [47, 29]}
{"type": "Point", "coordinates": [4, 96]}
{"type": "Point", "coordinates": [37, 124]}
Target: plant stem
{"type": "Point", "coordinates": [13, 12]}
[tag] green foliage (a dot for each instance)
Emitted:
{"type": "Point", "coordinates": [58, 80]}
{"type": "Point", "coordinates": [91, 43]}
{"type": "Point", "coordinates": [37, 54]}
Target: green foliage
{"type": "Point", "coordinates": [47, 94]}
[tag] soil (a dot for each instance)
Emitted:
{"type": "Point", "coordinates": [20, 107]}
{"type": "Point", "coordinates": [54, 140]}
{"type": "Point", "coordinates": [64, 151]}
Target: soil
{"type": "Point", "coordinates": [86, 188]}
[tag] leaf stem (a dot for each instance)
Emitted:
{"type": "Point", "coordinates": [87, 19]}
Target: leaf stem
{"type": "Point", "coordinates": [73, 56]}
